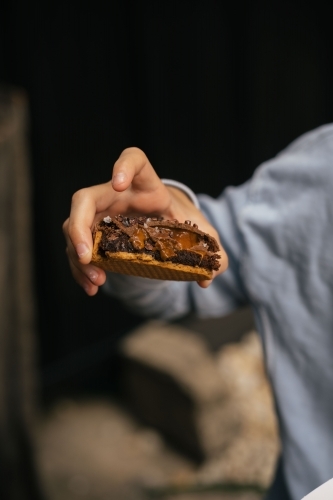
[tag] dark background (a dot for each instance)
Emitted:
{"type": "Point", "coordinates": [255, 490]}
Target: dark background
{"type": "Point", "coordinates": [208, 89]}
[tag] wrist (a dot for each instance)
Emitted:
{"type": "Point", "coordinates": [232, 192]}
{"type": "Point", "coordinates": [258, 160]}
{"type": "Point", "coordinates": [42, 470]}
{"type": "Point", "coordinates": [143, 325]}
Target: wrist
{"type": "Point", "coordinates": [183, 189]}
{"type": "Point", "coordinates": [181, 206]}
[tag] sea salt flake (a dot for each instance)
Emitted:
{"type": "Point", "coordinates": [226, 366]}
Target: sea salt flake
{"type": "Point", "coordinates": [107, 219]}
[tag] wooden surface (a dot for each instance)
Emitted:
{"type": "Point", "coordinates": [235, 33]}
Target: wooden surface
{"type": "Point", "coordinates": [17, 350]}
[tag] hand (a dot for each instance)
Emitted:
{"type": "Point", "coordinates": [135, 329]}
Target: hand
{"type": "Point", "coordinates": [134, 188]}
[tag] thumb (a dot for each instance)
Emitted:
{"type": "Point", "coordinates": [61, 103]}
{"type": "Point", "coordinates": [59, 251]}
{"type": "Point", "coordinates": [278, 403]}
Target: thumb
{"type": "Point", "coordinates": [133, 168]}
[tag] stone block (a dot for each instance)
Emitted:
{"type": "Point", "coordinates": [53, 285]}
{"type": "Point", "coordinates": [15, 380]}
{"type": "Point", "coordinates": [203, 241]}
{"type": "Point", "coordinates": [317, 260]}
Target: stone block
{"type": "Point", "coordinates": [216, 407]}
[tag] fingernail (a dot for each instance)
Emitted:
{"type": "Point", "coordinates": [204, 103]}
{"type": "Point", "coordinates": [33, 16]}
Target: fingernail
{"type": "Point", "coordinates": [93, 275]}
{"type": "Point", "coordinates": [82, 249]}
{"type": "Point", "coordinates": [119, 178]}
{"type": "Point", "coordinates": [86, 288]}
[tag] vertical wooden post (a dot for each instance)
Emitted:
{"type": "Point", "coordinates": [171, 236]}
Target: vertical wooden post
{"type": "Point", "coordinates": [18, 480]}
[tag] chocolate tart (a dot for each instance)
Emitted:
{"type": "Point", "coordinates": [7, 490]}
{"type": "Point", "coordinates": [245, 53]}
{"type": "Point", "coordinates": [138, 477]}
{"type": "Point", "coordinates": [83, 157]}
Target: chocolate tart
{"type": "Point", "coordinates": [153, 247]}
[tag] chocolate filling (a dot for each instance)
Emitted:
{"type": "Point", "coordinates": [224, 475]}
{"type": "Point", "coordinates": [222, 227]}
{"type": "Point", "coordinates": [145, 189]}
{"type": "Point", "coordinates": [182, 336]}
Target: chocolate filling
{"type": "Point", "coordinates": [164, 240]}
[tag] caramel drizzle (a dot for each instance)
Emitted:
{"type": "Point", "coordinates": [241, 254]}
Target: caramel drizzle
{"type": "Point", "coordinates": [167, 240]}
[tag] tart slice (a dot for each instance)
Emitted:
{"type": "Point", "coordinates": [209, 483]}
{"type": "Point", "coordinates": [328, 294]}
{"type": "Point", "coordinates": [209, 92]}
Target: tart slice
{"type": "Point", "coordinates": [153, 247]}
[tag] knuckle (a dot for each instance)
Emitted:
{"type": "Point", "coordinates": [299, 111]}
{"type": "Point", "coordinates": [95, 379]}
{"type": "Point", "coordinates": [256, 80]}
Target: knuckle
{"type": "Point", "coordinates": [134, 150]}
{"type": "Point", "coordinates": [120, 164]}
{"type": "Point", "coordinates": [79, 195]}
{"type": "Point", "coordinates": [131, 153]}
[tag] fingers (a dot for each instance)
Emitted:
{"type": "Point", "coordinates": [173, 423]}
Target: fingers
{"type": "Point", "coordinates": [77, 232]}
{"type": "Point", "coordinates": [92, 273]}
{"type": "Point", "coordinates": [223, 267]}
{"type": "Point", "coordinates": [205, 283]}
{"type": "Point", "coordinates": [89, 277]}
{"type": "Point", "coordinates": [133, 167]}
{"type": "Point", "coordinates": [85, 204]}
{"type": "Point", "coordinates": [131, 170]}
{"type": "Point", "coordinates": [83, 281]}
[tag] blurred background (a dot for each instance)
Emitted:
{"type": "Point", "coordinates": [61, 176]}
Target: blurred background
{"type": "Point", "coordinates": [208, 90]}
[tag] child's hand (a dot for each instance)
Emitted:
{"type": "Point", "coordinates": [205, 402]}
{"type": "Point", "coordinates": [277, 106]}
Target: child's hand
{"type": "Point", "coordinates": [134, 188]}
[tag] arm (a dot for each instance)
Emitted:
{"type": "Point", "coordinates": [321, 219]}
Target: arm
{"type": "Point", "coordinates": [170, 300]}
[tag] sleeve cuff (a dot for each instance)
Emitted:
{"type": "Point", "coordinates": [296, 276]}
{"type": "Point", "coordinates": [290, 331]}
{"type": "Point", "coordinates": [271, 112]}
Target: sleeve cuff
{"type": "Point", "coordinates": [184, 188]}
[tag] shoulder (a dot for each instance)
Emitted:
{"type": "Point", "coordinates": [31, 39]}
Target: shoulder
{"type": "Point", "coordinates": [318, 141]}
{"type": "Point", "coordinates": [290, 200]}
{"type": "Point", "coordinates": [305, 166]}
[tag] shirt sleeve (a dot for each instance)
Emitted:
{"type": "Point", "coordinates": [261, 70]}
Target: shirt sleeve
{"type": "Point", "coordinates": [171, 299]}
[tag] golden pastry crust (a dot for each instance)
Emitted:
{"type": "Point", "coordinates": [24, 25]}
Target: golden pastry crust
{"type": "Point", "coordinates": [137, 264]}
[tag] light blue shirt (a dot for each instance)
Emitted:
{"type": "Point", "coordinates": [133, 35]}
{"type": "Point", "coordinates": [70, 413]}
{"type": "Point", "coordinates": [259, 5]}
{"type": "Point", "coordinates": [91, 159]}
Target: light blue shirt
{"type": "Point", "coordinates": [277, 230]}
